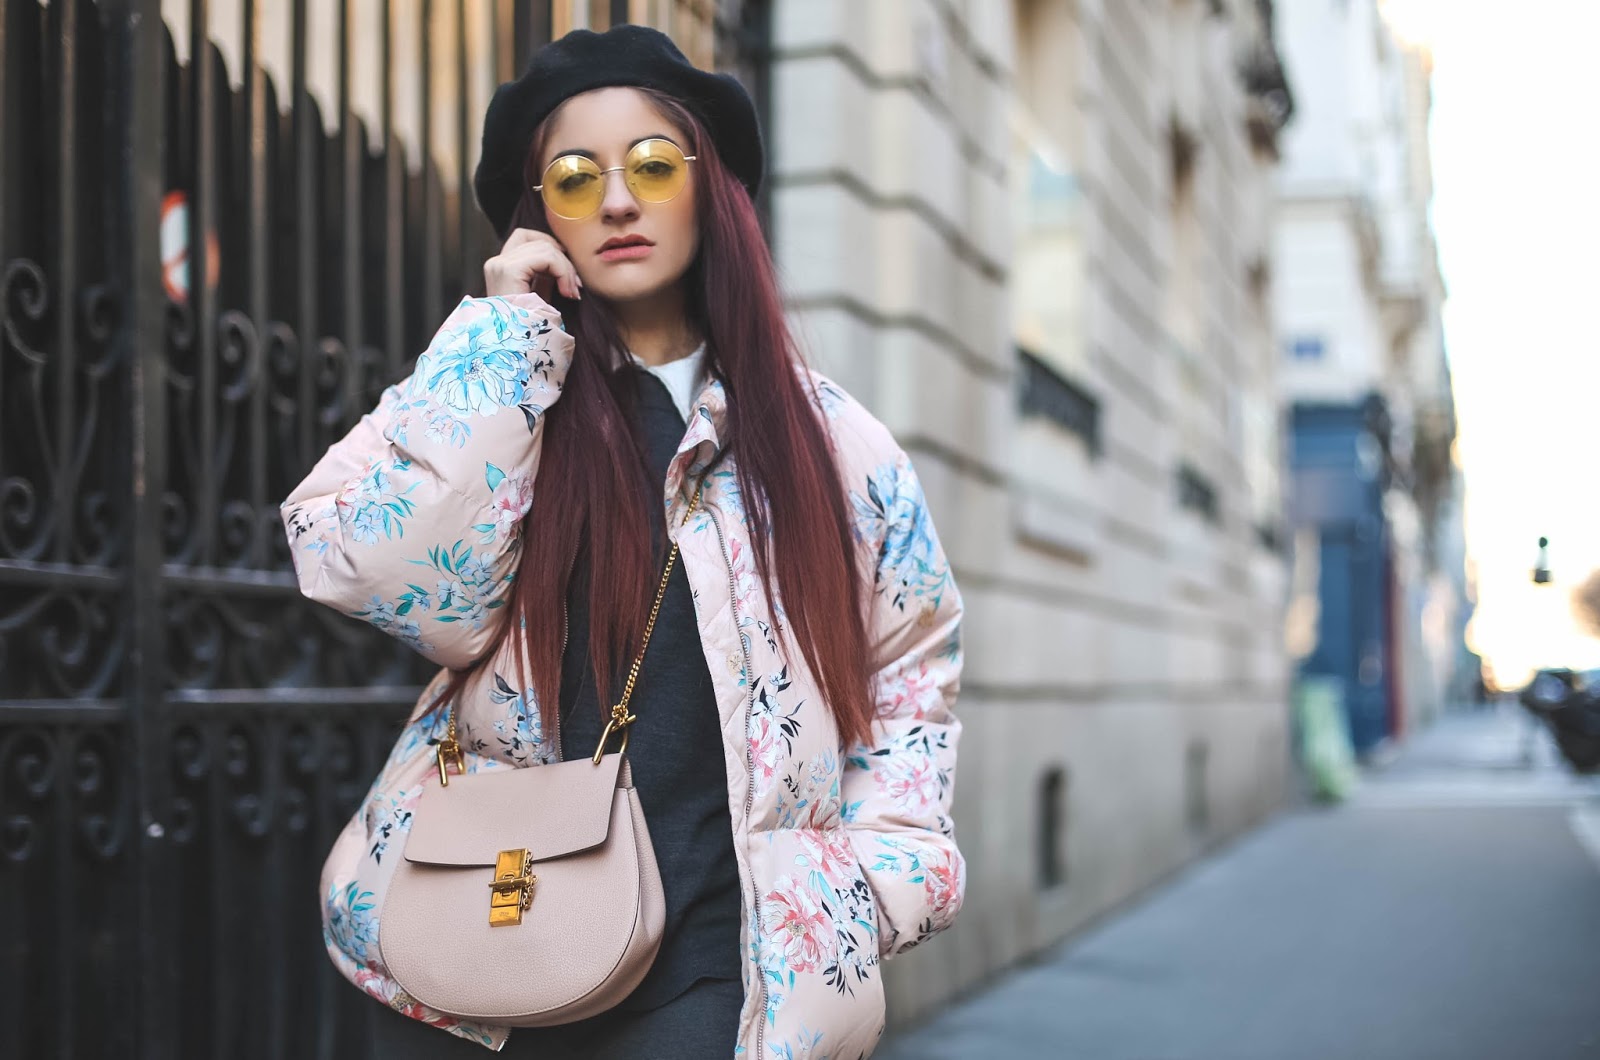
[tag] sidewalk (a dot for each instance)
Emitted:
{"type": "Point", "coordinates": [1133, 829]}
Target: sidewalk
{"type": "Point", "coordinates": [1450, 910]}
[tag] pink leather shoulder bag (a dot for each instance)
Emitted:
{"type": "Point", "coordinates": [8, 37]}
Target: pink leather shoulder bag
{"type": "Point", "coordinates": [529, 897]}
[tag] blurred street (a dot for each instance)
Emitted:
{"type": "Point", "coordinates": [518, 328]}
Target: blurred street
{"type": "Point", "coordinates": [1451, 909]}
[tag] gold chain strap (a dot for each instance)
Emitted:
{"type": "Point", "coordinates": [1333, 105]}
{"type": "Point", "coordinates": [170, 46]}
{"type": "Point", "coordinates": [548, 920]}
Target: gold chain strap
{"type": "Point", "coordinates": [449, 750]}
{"type": "Point", "coordinates": [620, 718]}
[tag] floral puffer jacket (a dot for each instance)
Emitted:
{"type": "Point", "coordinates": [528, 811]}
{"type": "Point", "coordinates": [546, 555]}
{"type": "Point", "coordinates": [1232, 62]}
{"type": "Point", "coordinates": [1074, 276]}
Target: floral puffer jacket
{"type": "Point", "coordinates": [846, 855]}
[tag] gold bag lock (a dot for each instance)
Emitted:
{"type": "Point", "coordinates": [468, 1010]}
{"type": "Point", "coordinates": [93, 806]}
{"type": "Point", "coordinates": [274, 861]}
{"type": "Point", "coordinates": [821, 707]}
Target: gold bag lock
{"type": "Point", "coordinates": [512, 887]}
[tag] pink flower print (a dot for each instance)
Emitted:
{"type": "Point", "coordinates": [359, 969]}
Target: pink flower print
{"type": "Point", "coordinates": [374, 983]}
{"type": "Point", "coordinates": [908, 693]}
{"type": "Point", "coordinates": [911, 782]}
{"type": "Point", "coordinates": [744, 577]}
{"type": "Point", "coordinates": [795, 922]}
{"type": "Point", "coordinates": [512, 499]}
{"type": "Point", "coordinates": [399, 427]}
{"type": "Point", "coordinates": [766, 749]}
{"type": "Point", "coordinates": [358, 488]}
{"type": "Point", "coordinates": [830, 853]}
{"type": "Point", "coordinates": [389, 992]}
{"type": "Point", "coordinates": [942, 884]}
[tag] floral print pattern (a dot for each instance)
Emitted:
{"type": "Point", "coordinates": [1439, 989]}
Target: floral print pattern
{"type": "Point", "coordinates": [906, 769]}
{"type": "Point", "coordinates": [478, 378]}
{"type": "Point", "coordinates": [911, 568]}
{"type": "Point", "coordinates": [389, 616]}
{"type": "Point", "coordinates": [846, 854]}
{"type": "Point", "coordinates": [820, 922]}
{"type": "Point", "coordinates": [798, 927]}
{"type": "Point", "coordinates": [771, 733]}
{"type": "Point", "coordinates": [352, 922]}
{"type": "Point", "coordinates": [374, 505]}
{"type": "Point", "coordinates": [518, 729]}
{"type": "Point", "coordinates": [465, 589]}
{"type": "Point", "coordinates": [511, 499]}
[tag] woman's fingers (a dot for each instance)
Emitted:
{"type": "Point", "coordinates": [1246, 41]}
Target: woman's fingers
{"type": "Point", "coordinates": [545, 260]}
{"type": "Point", "coordinates": [550, 261]}
{"type": "Point", "coordinates": [531, 261]}
{"type": "Point", "coordinates": [520, 236]}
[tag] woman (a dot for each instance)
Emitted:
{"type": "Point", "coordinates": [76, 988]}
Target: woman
{"type": "Point", "coordinates": [506, 510]}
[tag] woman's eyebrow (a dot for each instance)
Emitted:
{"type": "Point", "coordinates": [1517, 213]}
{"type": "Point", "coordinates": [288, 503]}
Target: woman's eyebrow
{"type": "Point", "coordinates": [586, 153]}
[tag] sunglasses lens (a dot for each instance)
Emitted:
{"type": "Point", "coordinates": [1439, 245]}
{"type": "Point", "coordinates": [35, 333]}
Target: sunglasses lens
{"type": "Point", "coordinates": [656, 170]}
{"type": "Point", "coordinates": [573, 187]}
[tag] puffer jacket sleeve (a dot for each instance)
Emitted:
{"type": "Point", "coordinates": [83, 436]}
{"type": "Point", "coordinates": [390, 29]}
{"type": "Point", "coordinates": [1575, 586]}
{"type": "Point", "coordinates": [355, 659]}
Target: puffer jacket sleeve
{"type": "Point", "coordinates": [412, 520]}
{"type": "Point", "coordinates": [897, 788]}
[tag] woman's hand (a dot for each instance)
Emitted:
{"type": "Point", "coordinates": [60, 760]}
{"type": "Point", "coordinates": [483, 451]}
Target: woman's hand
{"type": "Point", "coordinates": [531, 261]}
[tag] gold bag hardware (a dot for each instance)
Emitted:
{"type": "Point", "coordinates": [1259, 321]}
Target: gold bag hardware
{"type": "Point", "coordinates": [513, 887]}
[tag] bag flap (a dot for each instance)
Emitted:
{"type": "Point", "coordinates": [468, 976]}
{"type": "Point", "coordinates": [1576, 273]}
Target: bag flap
{"type": "Point", "coordinates": [550, 810]}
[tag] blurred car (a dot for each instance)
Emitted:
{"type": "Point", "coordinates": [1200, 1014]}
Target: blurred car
{"type": "Point", "coordinates": [1551, 689]}
{"type": "Point", "coordinates": [1568, 702]}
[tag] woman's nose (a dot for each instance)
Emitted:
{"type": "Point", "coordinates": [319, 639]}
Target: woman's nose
{"type": "Point", "coordinates": [619, 203]}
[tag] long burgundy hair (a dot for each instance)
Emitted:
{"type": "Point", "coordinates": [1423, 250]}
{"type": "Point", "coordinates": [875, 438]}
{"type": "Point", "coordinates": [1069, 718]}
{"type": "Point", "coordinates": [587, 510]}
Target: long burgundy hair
{"type": "Point", "coordinates": [594, 485]}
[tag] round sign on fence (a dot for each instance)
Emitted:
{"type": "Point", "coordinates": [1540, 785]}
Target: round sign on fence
{"type": "Point", "coordinates": [175, 248]}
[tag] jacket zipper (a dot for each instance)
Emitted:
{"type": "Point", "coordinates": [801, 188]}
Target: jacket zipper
{"type": "Point", "coordinates": [750, 774]}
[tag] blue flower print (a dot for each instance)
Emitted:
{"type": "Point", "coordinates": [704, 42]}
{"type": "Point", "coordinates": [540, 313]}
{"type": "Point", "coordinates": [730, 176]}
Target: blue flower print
{"type": "Point", "coordinates": [352, 920]}
{"type": "Point", "coordinates": [830, 398]}
{"type": "Point", "coordinates": [485, 367]}
{"type": "Point", "coordinates": [449, 592]}
{"type": "Point", "coordinates": [478, 379]}
{"type": "Point", "coordinates": [519, 736]}
{"type": "Point", "coordinates": [411, 633]}
{"type": "Point", "coordinates": [477, 569]}
{"type": "Point", "coordinates": [373, 505]}
{"type": "Point", "coordinates": [465, 594]}
{"type": "Point", "coordinates": [807, 1042]}
{"type": "Point", "coordinates": [909, 566]}
{"type": "Point", "coordinates": [387, 616]}
{"type": "Point", "coordinates": [367, 525]}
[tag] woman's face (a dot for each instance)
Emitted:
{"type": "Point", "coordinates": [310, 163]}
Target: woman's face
{"type": "Point", "coordinates": [663, 237]}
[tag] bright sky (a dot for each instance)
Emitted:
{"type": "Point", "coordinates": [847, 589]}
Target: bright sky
{"type": "Point", "coordinates": [1517, 212]}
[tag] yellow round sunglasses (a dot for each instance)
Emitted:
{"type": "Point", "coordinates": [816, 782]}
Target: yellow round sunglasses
{"type": "Point", "coordinates": [575, 185]}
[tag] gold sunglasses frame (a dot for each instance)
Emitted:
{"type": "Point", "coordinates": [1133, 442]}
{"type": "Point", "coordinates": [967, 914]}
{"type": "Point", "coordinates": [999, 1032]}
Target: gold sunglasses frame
{"type": "Point", "coordinates": [613, 169]}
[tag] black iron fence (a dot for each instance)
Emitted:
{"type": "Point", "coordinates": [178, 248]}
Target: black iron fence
{"type": "Point", "coordinates": [212, 259]}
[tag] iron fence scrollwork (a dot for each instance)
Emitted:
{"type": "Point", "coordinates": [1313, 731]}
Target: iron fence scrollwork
{"type": "Point", "coordinates": [215, 251]}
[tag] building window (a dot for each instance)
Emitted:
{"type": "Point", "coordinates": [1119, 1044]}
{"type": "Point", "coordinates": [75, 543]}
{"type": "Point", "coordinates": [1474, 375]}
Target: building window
{"type": "Point", "coordinates": [1306, 348]}
{"type": "Point", "coordinates": [1052, 827]}
{"type": "Point", "coordinates": [1185, 292]}
{"type": "Point", "coordinates": [1196, 493]}
{"type": "Point", "coordinates": [1048, 394]}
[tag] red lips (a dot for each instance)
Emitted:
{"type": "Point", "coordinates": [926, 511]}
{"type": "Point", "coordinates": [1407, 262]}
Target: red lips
{"type": "Point", "coordinates": [624, 241]}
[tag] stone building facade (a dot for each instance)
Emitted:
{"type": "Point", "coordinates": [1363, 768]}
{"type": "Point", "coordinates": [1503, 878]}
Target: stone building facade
{"type": "Point", "coordinates": [1035, 238]}
{"type": "Point", "coordinates": [1366, 379]}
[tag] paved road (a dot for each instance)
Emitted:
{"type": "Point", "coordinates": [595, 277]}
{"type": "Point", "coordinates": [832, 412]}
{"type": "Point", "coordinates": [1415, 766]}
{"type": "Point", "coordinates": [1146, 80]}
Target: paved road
{"type": "Point", "coordinates": [1451, 910]}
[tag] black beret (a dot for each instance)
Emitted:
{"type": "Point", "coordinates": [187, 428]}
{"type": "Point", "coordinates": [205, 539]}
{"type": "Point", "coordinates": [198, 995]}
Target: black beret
{"type": "Point", "coordinates": [637, 56]}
